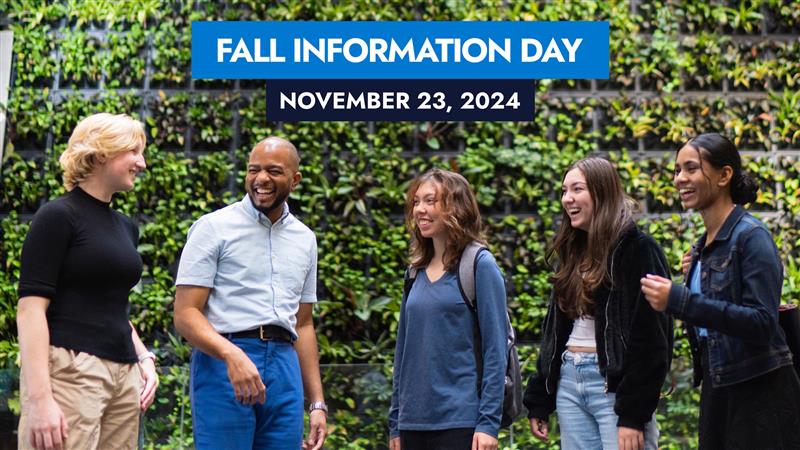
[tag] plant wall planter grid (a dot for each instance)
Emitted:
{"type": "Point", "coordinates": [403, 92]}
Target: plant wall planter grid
{"type": "Point", "coordinates": [681, 78]}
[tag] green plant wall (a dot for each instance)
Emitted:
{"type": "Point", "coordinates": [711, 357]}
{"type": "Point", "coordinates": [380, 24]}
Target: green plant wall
{"type": "Point", "coordinates": [678, 68]}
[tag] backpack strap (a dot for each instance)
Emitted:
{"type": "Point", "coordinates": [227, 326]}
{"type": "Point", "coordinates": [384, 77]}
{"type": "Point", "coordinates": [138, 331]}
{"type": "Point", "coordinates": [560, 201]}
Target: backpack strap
{"type": "Point", "coordinates": [467, 268]}
{"type": "Point", "coordinates": [408, 280]}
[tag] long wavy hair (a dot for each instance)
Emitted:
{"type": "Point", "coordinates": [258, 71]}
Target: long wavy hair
{"type": "Point", "coordinates": [582, 257]}
{"type": "Point", "coordinates": [459, 212]}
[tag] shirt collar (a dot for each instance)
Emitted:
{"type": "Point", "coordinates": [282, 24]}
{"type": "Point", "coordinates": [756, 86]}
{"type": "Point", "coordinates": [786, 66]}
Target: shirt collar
{"type": "Point", "coordinates": [260, 217]}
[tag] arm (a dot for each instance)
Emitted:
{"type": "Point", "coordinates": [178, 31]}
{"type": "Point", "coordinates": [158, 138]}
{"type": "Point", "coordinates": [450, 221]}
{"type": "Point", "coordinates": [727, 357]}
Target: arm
{"type": "Point", "coordinates": [756, 318]}
{"type": "Point", "coordinates": [149, 373]}
{"type": "Point", "coordinates": [539, 402]}
{"type": "Point", "coordinates": [492, 319]}
{"type": "Point", "coordinates": [47, 425]}
{"type": "Point", "coordinates": [43, 252]}
{"type": "Point", "coordinates": [192, 324]}
{"type": "Point", "coordinates": [394, 409]}
{"type": "Point", "coordinates": [308, 356]}
{"type": "Point", "coordinates": [649, 346]}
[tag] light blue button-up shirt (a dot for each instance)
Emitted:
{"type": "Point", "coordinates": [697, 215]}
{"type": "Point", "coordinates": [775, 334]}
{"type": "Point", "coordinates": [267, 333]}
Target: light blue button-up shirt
{"type": "Point", "coordinates": [258, 271]}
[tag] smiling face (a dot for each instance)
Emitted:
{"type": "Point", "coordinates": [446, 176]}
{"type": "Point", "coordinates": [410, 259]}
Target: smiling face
{"type": "Point", "coordinates": [428, 211]}
{"type": "Point", "coordinates": [576, 200]}
{"type": "Point", "coordinates": [699, 184]}
{"type": "Point", "coordinates": [271, 176]}
{"type": "Point", "coordinates": [120, 169]}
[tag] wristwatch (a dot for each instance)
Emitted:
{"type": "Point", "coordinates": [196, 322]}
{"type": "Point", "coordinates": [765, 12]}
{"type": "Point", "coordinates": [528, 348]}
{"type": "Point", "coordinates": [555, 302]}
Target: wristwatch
{"type": "Point", "coordinates": [318, 405]}
{"type": "Point", "coordinates": [147, 355]}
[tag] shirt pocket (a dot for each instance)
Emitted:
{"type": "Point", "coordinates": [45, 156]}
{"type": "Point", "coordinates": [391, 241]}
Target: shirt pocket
{"type": "Point", "coordinates": [292, 273]}
{"type": "Point", "coordinates": [720, 274]}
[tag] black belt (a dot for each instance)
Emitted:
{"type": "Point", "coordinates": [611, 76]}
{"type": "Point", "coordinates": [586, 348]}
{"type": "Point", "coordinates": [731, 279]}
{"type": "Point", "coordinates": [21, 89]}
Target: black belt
{"type": "Point", "coordinates": [265, 333]}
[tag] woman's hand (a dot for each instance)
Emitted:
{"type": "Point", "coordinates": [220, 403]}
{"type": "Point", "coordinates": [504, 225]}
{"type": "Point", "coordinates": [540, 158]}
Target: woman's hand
{"type": "Point", "coordinates": [47, 427]}
{"type": "Point", "coordinates": [539, 428]}
{"type": "Point", "coordinates": [148, 371]}
{"type": "Point", "coordinates": [630, 439]}
{"type": "Point", "coordinates": [656, 290]}
{"type": "Point", "coordinates": [686, 262]}
{"type": "Point", "coordinates": [483, 441]}
{"type": "Point", "coordinates": [394, 443]}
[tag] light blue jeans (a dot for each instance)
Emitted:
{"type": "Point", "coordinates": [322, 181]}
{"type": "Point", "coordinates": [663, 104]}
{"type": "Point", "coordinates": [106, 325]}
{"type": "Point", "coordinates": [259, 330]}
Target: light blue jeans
{"type": "Point", "coordinates": [585, 412]}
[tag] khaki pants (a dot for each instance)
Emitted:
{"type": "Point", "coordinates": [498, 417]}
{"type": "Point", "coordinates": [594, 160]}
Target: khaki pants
{"type": "Point", "coordinates": [99, 398]}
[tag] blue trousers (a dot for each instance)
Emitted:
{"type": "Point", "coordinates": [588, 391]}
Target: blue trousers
{"type": "Point", "coordinates": [220, 422]}
{"type": "Point", "coordinates": [586, 415]}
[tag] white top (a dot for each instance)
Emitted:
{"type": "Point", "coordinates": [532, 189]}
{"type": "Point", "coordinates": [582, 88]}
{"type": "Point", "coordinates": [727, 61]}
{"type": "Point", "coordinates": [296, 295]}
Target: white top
{"type": "Point", "coordinates": [582, 333]}
{"type": "Point", "coordinates": [258, 272]}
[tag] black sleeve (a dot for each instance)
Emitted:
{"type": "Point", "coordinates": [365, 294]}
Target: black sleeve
{"type": "Point", "coordinates": [537, 400]}
{"type": "Point", "coordinates": [649, 348]}
{"type": "Point", "coordinates": [44, 249]}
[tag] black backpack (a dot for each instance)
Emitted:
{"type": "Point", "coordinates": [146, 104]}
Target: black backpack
{"type": "Point", "coordinates": [467, 266]}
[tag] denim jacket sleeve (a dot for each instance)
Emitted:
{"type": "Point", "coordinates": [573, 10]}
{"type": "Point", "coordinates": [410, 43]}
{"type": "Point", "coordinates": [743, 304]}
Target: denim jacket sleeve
{"type": "Point", "coordinates": [755, 317]}
{"type": "Point", "coordinates": [649, 348]}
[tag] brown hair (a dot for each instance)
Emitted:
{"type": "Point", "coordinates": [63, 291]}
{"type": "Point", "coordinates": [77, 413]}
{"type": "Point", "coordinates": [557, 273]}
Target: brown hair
{"type": "Point", "coordinates": [459, 213]}
{"type": "Point", "coordinates": [582, 257]}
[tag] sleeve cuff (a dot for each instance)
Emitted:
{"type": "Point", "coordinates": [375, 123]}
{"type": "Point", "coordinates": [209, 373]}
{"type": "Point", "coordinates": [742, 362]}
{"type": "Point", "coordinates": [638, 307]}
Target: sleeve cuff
{"type": "Point", "coordinates": [628, 422]}
{"type": "Point", "coordinates": [487, 429]}
{"type": "Point", "coordinates": [677, 299]}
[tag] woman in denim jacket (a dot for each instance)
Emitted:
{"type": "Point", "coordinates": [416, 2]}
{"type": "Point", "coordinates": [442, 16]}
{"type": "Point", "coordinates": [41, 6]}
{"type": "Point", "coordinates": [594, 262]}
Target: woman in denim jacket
{"type": "Point", "coordinates": [751, 394]}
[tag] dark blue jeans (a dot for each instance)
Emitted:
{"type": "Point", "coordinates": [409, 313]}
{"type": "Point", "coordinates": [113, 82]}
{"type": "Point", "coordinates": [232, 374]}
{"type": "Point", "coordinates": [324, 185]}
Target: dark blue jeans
{"type": "Point", "coordinates": [220, 422]}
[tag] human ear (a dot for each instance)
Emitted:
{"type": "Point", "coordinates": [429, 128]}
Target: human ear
{"type": "Point", "coordinates": [725, 176]}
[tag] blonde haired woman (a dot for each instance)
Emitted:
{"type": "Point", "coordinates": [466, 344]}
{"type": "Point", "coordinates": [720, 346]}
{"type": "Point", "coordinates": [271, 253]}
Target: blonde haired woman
{"type": "Point", "coordinates": [86, 375]}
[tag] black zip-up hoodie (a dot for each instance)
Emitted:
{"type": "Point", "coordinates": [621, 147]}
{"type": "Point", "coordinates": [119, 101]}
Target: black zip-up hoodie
{"type": "Point", "coordinates": [634, 342]}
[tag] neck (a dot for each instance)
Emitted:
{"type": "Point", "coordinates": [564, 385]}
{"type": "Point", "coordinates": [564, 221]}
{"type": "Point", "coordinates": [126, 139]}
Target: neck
{"type": "Point", "coordinates": [714, 216]}
{"type": "Point", "coordinates": [97, 189]}
{"type": "Point", "coordinates": [275, 214]}
{"type": "Point", "coordinates": [439, 245]}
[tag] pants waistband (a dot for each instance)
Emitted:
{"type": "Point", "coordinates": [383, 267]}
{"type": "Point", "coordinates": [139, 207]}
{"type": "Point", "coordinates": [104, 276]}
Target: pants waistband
{"type": "Point", "coordinates": [265, 333]}
{"type": "Point", "coordinates": [579, 358]}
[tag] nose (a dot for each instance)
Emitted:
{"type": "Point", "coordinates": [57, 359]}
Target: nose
{"type": "Point", "coordinates": [419, 208]}
{"type": "Point", "coordinates": [679, 178]}
{"type": "Point", "coordinates": [141, 163]}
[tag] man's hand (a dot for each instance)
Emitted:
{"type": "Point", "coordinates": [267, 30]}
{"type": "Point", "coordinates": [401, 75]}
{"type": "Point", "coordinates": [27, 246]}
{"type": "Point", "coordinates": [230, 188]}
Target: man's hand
{"type": "Point", "coordinates": [47, 426]}
{"type": "Point", "coordinates": [630, 439]}
{"type": "Point", "coordinates": [317, 430]}
{"type": "Point", "coordinates": [148, 394]}
{"type": "Point", "coordinates": [483, 441]}
{"type": "Point", "coordinates": [656, 291]}
{"type": "Point", "coordinates": [394, 443]}
{"type": "Point", "coordinates": [245, 379]}
{"type": "Point", "coordinates": [539, 428]}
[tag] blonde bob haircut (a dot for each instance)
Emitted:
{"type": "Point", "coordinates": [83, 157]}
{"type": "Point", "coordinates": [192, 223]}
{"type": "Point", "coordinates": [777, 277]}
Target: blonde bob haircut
{"type": "Point", "coordinates": [100, 135]}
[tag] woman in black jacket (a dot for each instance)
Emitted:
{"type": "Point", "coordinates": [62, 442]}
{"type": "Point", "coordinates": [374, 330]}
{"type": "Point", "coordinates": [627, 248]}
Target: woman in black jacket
{"type": "Point", "coordinates": [605, 352]}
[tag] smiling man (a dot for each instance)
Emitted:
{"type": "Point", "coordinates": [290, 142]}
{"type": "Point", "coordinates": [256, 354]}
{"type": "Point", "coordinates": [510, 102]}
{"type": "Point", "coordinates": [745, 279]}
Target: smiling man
{"type": "Point", "coordinates": [245, 289]}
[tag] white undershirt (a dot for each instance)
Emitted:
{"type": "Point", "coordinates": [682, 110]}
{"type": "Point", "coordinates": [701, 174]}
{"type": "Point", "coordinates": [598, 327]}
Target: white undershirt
{"type": "Point", "coordinates": [582, 333]}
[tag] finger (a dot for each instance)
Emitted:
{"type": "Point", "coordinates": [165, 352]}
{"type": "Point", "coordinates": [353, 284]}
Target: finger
{"type": "Point", "coordinates": [474, 442]}
{"type": "Point", "coordinates": [262, 392]}
{"type": "Point", "coordinates": [47, 440]}
{"type": "Point", "coordinates": [37, 439]}
{"type": "Point", "coordinates": [640, 440]}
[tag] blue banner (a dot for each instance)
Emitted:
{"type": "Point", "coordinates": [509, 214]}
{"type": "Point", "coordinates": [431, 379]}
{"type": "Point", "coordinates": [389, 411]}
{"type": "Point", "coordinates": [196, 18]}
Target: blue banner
{"type": "Point", "coordinates": [400, 50]}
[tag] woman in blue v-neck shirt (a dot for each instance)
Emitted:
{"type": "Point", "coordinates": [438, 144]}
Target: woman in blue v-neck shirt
{"type": "Point", "coordinates": [435, 400]}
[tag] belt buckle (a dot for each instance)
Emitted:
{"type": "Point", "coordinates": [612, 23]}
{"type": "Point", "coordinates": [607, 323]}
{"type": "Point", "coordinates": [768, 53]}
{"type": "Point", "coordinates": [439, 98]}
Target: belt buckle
{"type": "Point", "coordinates": [261, 333]}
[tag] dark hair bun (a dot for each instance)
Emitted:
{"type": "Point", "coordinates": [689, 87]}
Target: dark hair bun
{"type": "Point", "coordinates": [744, 190]}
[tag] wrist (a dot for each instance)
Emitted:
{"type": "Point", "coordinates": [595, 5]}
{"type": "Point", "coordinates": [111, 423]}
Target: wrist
{"type": "Point", "coordinates": [147, 355]}
{"type": "Point", "coordinates": [318, 406]}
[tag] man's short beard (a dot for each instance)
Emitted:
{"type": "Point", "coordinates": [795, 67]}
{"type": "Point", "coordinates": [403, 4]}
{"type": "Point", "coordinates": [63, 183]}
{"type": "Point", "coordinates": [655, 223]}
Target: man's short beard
{"type": "Point", "coordinates": [278, 203]}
